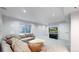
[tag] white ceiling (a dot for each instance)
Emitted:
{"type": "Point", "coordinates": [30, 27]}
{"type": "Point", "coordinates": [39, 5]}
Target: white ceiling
{"type": "Point", "coordinates": [43, 15]}
{"type": "Point", "coordinates": [69, 10]}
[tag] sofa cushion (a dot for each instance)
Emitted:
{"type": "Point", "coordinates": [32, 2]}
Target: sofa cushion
{"type": "Point", "coordinates": [27, 39]}
{"type": "Point", "coordinates": [29, 35]}
{"type": "Point", "coordinates": [20, 46]}
{"type": "Point", "coordinates": [14, 40]}
{"type": "Point", "coordinates": [9, 41]}
{"type": "Point", "coordinates": [22, 35]}
{"type": "Point", "coordinates": [8, 38]}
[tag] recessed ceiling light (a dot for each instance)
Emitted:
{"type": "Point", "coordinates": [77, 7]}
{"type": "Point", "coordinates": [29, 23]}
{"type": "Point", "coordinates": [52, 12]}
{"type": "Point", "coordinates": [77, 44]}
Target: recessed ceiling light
{"type": "Point", "coordinates": [24, 11]}
{"type": "Point", "coordinates": [53, 14]}
{"type": "Point", "coordinates": [75, 7]}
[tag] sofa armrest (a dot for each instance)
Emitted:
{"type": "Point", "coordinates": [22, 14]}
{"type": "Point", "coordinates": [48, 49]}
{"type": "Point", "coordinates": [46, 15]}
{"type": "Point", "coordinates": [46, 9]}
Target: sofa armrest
{"type": "Point", "coordinates": [5, 47]}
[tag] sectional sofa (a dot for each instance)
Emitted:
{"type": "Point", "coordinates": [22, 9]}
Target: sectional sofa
{"type": "Point", "coordinates": [22, 43]}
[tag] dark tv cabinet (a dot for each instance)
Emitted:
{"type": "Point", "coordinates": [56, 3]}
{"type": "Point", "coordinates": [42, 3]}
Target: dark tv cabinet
{"type": "Point", "coordinates": [54, 36]}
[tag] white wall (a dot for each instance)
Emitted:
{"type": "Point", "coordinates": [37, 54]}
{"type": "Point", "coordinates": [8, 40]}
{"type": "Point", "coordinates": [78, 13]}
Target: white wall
{"type": "Point", "coordinates": [12, 25]}
{"type": "Point", "coordinates": [63, 31]}
{"type": "Point", "coordinates": [40, 31]}
{"type": "Point", "coordinates": [1, 26]}
{"type": "Point", "coordinates": [75, 32]}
